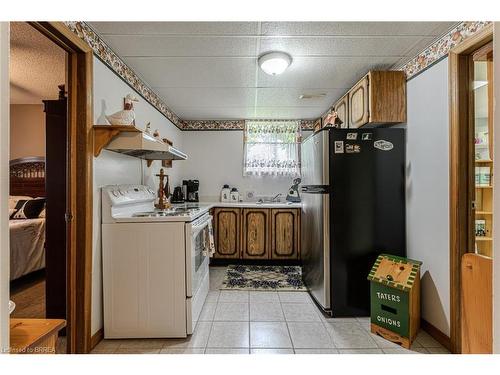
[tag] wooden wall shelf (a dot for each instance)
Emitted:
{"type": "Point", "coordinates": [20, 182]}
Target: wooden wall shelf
{"type": "Point", "coordinates": [103, 134]}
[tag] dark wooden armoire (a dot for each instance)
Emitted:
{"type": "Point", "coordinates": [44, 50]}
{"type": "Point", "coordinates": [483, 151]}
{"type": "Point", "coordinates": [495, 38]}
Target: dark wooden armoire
{"type": "Point", "coordinates": [56, 155]}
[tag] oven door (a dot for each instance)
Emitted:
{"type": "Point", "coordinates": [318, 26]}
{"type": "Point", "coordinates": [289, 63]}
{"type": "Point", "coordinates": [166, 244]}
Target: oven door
{"type": "Point", "coordinates": [196, 262]}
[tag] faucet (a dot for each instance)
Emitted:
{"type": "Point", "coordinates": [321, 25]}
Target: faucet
{"type": "Point", "coordinates": [276, 197]}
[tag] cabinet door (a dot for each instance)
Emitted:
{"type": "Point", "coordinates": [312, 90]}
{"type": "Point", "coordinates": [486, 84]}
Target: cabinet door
{"type": "Point", "coordinates": [285, 234]}
{"type": "Point", "coordinates": [227, 232]}
{"type": "Point", "coordinates": [341, 107]}
{"type": "Point", "coordinates": [255, 242]}
{"type": "Point", "coordinates": [358, 104]}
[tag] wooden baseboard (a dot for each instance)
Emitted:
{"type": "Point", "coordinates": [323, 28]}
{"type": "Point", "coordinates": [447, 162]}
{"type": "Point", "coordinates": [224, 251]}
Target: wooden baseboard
{"type": "Point", "coordinates": [96, 338]}
{"type": "Point", "coordinates": [439, 336]}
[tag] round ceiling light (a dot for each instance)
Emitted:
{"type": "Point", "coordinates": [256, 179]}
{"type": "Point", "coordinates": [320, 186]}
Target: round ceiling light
{"type": "Point", "coordinates": [274, 63]}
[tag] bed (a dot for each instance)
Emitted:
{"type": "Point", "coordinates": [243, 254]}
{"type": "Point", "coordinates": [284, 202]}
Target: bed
{"type": "Point", "coordinates": [27, 236]}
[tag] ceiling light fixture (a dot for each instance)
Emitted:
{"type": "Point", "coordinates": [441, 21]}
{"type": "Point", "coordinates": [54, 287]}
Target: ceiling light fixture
{"type": "Point", "coordinates": [274, 63]}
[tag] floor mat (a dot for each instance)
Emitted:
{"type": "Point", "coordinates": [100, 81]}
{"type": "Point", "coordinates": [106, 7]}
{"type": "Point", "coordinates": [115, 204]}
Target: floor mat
{"type": "Point", "coordinates": [272, 278]}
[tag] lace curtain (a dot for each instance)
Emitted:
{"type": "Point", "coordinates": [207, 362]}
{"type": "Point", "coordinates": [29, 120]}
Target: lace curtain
{"type": "Point", "coordinates": [272, 148]}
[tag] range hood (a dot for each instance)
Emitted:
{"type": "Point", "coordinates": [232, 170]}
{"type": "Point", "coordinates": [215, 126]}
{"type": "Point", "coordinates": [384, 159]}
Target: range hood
{"type": "Point", "coordinates": [144, 146]}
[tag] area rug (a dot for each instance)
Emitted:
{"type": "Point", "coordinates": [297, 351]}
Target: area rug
{"type": "Point", "coordinates": [271, 278]}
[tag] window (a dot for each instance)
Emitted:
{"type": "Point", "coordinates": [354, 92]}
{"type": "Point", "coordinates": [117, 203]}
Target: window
{"type": "Point", "coordinates": [272, 148]}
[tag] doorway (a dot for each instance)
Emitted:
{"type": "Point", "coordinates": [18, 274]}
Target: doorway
{"type": "Point", "coordinates": [471, 193]}
{"type": "Point", "coordinates": [38, 176]}
{"type": "Point", "coordinates": [72, 109]}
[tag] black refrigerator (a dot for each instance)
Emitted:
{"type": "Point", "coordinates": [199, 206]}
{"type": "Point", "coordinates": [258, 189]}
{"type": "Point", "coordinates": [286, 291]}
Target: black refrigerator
{"type": "Point", "coordinates": [353, 197]}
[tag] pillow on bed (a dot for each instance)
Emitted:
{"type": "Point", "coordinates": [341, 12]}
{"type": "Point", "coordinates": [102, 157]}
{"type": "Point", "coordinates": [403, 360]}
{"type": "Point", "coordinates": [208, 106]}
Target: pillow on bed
{"type": "Point", "coordinates": [13, 199]}
{"type": "Point", "coordinates": [29, 209]}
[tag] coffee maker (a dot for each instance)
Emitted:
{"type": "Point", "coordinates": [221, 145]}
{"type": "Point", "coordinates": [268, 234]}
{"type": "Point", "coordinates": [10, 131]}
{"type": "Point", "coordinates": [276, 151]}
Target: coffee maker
{"type": "Point", "coordinates": [190, 190]}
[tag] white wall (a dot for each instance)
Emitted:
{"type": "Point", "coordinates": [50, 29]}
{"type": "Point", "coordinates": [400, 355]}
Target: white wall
{"type": "Point", "coordinates": [216, 158]}
{"type": "Point", "coordinates": [113, 168]}
{"type": "Point", "coordinates": [496, 193]}
{"type": "Point", "coordinates": [4, 186]}
{"type": "Point", "coordinates": [427, 191]}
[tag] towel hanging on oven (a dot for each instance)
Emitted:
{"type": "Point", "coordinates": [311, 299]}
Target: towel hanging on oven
{"type": "Point", "coordinates": [208, 241]}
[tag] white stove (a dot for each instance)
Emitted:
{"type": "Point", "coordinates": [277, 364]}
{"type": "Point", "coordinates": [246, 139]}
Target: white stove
{"type": "Point", "coordinates": [135, 203]}
{"type": "Point", "coordinates": [155, 273]}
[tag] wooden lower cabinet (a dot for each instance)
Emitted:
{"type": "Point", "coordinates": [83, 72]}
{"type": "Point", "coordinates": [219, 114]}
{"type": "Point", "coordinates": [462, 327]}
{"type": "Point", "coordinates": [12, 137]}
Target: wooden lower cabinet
{"type": "Point", "coordinates": [227, 225]}
{"type": "Point", "coordinates": [256, 231]}
{"type": "Point", "coordinates": [285, 234]}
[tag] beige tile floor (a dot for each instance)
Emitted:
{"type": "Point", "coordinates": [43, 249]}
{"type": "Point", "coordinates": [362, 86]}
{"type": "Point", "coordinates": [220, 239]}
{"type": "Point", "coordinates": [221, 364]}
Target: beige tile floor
{"type": "Point", "coordinates": [239, 322]}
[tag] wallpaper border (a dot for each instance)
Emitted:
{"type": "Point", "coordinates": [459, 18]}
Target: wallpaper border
{"type": "Point", "coordinates": [441, 47]}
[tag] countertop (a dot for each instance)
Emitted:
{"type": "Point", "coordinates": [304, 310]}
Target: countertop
{"type": "Point", "coordinates": [253, 204]}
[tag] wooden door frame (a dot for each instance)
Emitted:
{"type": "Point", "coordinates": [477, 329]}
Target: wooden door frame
{"type": "Point", "coordinates": [79, 183]}
{"type": "Point", "coordinates": [461, 169]}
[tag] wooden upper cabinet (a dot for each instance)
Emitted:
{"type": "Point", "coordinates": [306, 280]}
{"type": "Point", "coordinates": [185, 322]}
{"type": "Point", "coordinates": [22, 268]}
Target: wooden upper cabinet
{"type": "Point", "coordinates": [378, 98]}
{"type": "Point", "coordinates": [358, 103]}
{"type": "Point", "coordinates": [285, 234]}
{"type": "Point", "coordinates": [227, 232]}
{"type": "Point", "coordinates": [341, 107]}
{"type": "Point", "coordinates": [255, 239]}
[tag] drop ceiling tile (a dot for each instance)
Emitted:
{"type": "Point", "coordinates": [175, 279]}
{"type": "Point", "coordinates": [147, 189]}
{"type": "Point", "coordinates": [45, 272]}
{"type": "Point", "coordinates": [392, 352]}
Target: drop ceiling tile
{"type": "Point", "coordinates": [288, 112]}
{"type": "Point", "coordinates": [419, 46]}
{"type": "Point", "coordinates": [163, 45]}
{"type": "Point", "coordinates": [195, 72]}
{"type": "Point", "coordinates": [442, 27]}
{"type": "Point", "coordinates": [354, 28]}
{"type": "Point", "coordinates": [329, 72]}
{"type": "Point", "coordinates": [339, 46]}
{"type": "Point", "coordinates": [207, 97]}
{"type": "Point", "coordinates": [232, 113]}
{"type": "Point", "coordinates": [276, 97]}
{"type": "Point", "coordinates": [414, 50]}
{"type": "Point", "coordinates": [176, 28]}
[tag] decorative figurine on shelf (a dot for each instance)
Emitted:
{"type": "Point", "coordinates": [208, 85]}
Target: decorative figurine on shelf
{"type": "Point", "coordinates": [163, 202]}
{"type": "Point", "coordinates": [127, 115]}
{"type": "Point", "coordinates": [148, 128]}
{"type": "Point", "coordinates": [332, 120]}
{"type": "Point", "coordinates": [293, 192]}
{"type": "Point", "coordinates": [62, 91]}
{"type": "Point", "coordinates": [156, 134]}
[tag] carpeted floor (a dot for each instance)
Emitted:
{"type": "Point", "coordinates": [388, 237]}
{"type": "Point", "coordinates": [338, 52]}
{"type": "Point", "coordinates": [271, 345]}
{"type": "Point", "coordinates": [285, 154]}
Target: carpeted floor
{"type": "Point", "coordinates": [273, 278]}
